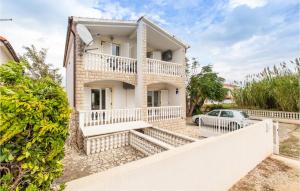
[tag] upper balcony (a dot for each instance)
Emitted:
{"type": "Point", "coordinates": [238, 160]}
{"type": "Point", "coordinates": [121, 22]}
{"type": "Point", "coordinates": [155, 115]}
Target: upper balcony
{"type": "Point", "coordinates": [115, 50]}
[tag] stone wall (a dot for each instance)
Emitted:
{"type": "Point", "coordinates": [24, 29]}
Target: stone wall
{"type": "Point", "coordinates": [172, 124]}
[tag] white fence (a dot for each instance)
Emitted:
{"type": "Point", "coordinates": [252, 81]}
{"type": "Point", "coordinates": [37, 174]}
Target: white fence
{"type": "Point", "coordinates": [210, 125]}
{"type": "Point", "coordinates": [164, 68]}
{"type": "Point", "coordinates": [164, 113]}
{"type": "Point", "coordinates": [101, 117]}
{"type": "Point", "coordinates": [110, 63]}
{"type": "Point", "coordinates": [273, 114]}
{"type": "Point", "coordinates": [212, 164]}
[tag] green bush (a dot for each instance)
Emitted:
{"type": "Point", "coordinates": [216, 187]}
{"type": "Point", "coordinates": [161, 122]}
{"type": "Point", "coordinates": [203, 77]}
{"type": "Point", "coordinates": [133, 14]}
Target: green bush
{"type": "Point", "coordinates": [34, 117]}
{"type": "Point", "coordinates": [210, 107]}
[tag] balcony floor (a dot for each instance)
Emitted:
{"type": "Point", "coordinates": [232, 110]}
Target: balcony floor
{"type": "Point", "coordinates": [112, 128]}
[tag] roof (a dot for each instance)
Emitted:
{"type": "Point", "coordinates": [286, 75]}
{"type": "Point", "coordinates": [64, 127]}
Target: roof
{"type": "Point", "coordinates": [86, 20]}
{"type": "Point", "coordinates": [9, 48]}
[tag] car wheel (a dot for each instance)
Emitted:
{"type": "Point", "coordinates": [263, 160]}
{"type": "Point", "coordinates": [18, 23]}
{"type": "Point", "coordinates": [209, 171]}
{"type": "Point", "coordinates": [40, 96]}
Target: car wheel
{"type": "Point", "coordinates": [234, 126]}
{"type": "Point", "coordinates": [197, 121]}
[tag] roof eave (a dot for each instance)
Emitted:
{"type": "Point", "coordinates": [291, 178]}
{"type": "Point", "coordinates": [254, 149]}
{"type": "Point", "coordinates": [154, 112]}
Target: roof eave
{"type": "Point", "coordinates": [149, 22]}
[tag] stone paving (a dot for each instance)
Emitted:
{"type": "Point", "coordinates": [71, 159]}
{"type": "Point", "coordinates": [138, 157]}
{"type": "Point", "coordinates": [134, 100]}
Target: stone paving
{"type": "Point", "coordinates": [77, 164]}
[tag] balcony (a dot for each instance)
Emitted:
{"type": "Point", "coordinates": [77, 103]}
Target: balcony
{"type": "Point", "coordinates": [164, 113]}
{"type": "Point", "coordinates": [110, 63]}
{"type": "Point", "coordinates": [92, 118]}
{"type": "Point", "coordinates": [160, 67]}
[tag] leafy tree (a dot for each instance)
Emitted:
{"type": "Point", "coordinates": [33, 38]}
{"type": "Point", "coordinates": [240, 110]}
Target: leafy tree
{"type": "Point", "coordinates": [37, 64]}
{"type": "Point", "coordinates": [34, 117]}
{"type": "Point", "coordinates": [204, 85]}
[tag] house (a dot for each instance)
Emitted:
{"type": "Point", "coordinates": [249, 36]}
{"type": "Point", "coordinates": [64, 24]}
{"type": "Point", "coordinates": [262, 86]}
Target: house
{"type": "Point", "coordinates": [131, 76]}
{"type": "Point", "coordinates": [7, 52]}
{"type": "Point", "coordinates": [229, 99]}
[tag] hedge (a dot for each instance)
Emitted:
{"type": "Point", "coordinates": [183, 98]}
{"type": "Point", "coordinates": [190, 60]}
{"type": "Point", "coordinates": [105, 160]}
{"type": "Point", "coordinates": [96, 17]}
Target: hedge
{"type": "Point", "coordinates": [34, 117]}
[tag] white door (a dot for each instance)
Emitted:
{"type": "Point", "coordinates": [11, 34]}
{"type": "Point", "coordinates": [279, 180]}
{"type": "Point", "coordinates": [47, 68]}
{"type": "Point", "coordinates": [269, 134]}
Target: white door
{"type": "Point", "coordinates": [108, 98]}
{"type": "Point", "coordinates": [164, 98]}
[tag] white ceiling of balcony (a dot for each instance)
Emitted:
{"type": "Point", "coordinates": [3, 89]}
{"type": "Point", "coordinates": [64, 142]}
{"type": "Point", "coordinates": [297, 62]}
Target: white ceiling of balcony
{"type": "Point", "coordinates": [160, 41]}
{"type": "Point", "coordinates": [125, 30]}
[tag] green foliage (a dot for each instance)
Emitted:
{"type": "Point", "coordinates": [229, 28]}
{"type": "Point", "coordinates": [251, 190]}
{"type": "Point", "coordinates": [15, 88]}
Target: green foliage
{"type": "Point", "coordinates": [34, 117]}
{"type": "Point", "coordinates": [204, 85]}
{"type": "Point", "coordinates": [37, 66]}
{"type": "Point", "coordinates": [276, 89]}
{"type": "Point", "coordinates": [210, 107]}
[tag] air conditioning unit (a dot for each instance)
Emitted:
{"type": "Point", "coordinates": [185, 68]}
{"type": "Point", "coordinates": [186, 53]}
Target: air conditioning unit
{"type": "Point", "coordinates": [167, 55]}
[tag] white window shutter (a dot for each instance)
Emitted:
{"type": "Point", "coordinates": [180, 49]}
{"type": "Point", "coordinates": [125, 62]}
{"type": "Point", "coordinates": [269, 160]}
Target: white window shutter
{"type": "Point", "coordinates": [88, 100]}
{"type": "Point", "coordinates": [106, 48]}
{"type": "Point", "coordinates": [108, 98]}
{"type": "Point", "coordinates": [164, 95]}
{"type": "Point", "coordinates": [124, 49]}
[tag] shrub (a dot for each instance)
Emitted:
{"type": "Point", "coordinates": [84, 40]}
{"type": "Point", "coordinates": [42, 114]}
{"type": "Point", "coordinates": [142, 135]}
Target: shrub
{"type": "Point", "coordinates": [34, 117]}
{"type": "Point", "coordinates": [210, 107]}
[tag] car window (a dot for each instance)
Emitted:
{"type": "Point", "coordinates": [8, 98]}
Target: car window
{"type": "Point", "coordinates": [226, 114]}
{"type": "Point", "coordinates": [214, 113]}
{"type": "Point", "coordinates": [244, 114]}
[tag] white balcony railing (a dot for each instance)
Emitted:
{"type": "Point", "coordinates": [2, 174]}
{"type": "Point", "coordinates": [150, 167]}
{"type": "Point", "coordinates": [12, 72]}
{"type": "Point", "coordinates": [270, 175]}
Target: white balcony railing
{"type": "Point", "coordinates": [273, 114]}
{"type": "Point", "coordinates": [101, 117]}
{"type": "Point", "coordinates": [110, 63]}
{"type": "Point", "coordinates": [164, 68]}
{"type": "Point", "coordinates": [164, 113]}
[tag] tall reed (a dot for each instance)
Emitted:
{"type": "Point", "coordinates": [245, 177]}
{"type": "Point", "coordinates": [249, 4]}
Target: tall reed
{"type": "Point", "coordinates": [275, 88]}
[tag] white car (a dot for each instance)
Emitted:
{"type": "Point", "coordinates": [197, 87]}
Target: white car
{"type": "Point", "coordinates": [225, 117]}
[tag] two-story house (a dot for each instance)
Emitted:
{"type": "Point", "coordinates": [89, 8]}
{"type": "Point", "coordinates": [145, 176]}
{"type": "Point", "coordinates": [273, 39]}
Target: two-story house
{"type": "Point", "coordinates": [131, 76]}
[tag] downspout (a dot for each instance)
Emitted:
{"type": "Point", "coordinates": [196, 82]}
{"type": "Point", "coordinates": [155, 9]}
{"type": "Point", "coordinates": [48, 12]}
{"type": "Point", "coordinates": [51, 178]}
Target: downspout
{"type": "Point", "coordinates": [74, 68]}
{"type": "Point", "coordinates": [74, 60]}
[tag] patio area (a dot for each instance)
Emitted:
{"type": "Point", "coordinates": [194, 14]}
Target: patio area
{"type": "Point", "coordinates": [77, 164]}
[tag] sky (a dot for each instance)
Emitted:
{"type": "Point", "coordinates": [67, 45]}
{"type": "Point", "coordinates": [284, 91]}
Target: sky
{"type": "Point", "coordinates": [237, 37]}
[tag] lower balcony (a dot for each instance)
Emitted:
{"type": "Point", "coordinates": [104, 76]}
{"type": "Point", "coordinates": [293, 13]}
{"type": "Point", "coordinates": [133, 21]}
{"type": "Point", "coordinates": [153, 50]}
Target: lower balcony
{"type": "Point", "coordinates": [92, 118]}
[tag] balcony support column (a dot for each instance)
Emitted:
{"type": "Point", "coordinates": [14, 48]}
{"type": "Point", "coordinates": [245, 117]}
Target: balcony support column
{"type": "Point", "coordinates": [141, 88]}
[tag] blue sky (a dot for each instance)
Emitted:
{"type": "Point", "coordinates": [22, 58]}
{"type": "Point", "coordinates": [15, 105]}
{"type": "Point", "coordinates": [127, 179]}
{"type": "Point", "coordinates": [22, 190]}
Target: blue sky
{"type": "Point", "coordinates": [237, 37]}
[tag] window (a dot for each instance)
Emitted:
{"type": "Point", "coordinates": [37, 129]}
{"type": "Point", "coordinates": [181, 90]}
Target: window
{"type": "Point", "coordinates": [95, 99]}
{"type": "Point", "coordinates": [214, 113]}
{"type": "Point", "coordinates": [153, 98]}
{"type": "Point", "coordinates": [226, 114]}
{"type": "Point", "coordinates": [245, 115]}
{"type": "Point", "coordinates": [115, 49]}
{"type": "Point", "coordinates": [98, 99]}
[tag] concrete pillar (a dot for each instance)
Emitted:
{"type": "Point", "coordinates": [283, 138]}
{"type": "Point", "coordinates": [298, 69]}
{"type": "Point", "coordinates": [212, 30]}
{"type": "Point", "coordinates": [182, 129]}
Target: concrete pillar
{"type": "Point", "coordinates": [141, 88]}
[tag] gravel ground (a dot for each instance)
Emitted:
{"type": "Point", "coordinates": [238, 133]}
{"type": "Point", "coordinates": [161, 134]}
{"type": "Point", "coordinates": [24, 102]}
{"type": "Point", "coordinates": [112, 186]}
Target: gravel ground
{"type": "Point", "coordinates": [289, 140]}
{"type": "Point", "coordinates": [270, 175]}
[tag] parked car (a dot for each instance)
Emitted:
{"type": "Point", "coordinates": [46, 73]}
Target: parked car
{"type": "Point", "coordinates": [224, 117]}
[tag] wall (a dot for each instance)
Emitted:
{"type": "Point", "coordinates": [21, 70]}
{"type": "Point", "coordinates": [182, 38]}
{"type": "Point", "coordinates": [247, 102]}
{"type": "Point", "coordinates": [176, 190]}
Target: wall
{"type": "Point", "coordinates": [212, 164]}
{"type": "Point", "coordinates": [70, 74]}
{"type": "Point", "coordinates": [124, 42]}
{"type": "Point", "coordinates": [5, 56]}
{"type": "Point", "coordinates": [121, 98]}
{"type": "Point", "coordinates": [173, 98]}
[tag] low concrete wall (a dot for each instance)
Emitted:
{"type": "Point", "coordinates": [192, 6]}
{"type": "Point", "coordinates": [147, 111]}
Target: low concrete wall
{"type": "Point", "coordinates": [212, 164]}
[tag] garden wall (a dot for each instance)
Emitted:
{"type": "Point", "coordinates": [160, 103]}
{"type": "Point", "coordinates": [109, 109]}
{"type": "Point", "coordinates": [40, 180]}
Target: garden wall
{"type": "Point", "coordinates": [212, 164]}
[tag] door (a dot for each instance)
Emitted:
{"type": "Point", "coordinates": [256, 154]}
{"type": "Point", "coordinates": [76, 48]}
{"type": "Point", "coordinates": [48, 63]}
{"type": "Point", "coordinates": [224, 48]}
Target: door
{"type": "Point", "coordinates": [154, 98]}
{"type": "Point", "coordinates": [101, 99]}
